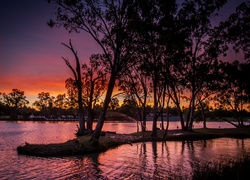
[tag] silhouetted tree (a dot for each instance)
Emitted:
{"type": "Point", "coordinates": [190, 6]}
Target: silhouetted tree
{"type": "Point", "coordinates": [233, 95]}
{"type": "Point", "coordinates": [150, 17]}
{"type": "Point", "coordinates": [15, 100]}
{"type": "Point", "coordinates": [135, 84]}
{"type": "Point", "coordinates": [60, 101]}
{"type": "Point", "coordinates": [94, 85]}
{"type": "Point", "coordinates": [197, 59]}
{"type": "Point", "coordinates": [107, 23]}
{"type": "Point", "coordinates": [78, 81]}
{"type": "Point", "coordinates": [60, 104]}
{"type": "Point", "coordinates": [202, 110]}
{"type": "Point", "coordinates": [45, 103]}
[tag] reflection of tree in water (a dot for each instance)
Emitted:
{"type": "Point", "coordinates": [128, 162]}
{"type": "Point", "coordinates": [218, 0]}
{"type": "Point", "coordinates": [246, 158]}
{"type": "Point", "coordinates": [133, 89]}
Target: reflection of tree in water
{"type": "Point", "coordinates": [153, 160]}
{"type": "Point", "coordinates": [156, 164]}
{"type": "Point", "coordinates": [166, 158]}
{"type": "Point", "coordinates": [143, 162]}
{"type": "Point", "coordinates": [192, 153]}
{"type": "Point", "coordinates": [86, 167]}
{"type": "Point", "coordinates": [241, 145]}
{"type": "Point", "coordinates": [154, 153]}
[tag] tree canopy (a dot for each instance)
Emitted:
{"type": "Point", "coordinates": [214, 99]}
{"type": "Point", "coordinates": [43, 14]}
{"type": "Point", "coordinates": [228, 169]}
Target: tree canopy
{"type": "Point", "coordinates": [172, 45]}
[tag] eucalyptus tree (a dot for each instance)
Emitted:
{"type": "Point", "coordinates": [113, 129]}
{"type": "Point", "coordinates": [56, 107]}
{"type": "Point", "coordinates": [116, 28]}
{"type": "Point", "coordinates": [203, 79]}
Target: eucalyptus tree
{"type": "Point", "coordinates": [135, 83]}
{"type": "Point", "coordinates": [234, 93]}
{"type": "Point", "coordinates": [44, 103]}
{"type": "Point", "coordinates": [78, 82]}
{"type": "Point", "coordinates": [233, 32]}
{"type": "Point", "coordinates": [197, 58]}
{"type": "Point", "coordinates": [173, 75]}
{"type": "Point", "coordinates": [87, 86]}
{"type": "Point", "coordinates": [94, 81]}
{"type": "Point", "coordinates": [106, 21]}
{"type": "Point", "coordinates": [149, 15]}
{"type": "Point", "coordinates": [212, 82]}
{"type": "Point", "coordinates": [60, 103]}
{"type": "Point", "coordinates": [15, 100]}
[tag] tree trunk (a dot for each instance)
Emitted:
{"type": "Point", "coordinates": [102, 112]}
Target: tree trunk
{"type": "Point", "coordinates": [98, 129]}
{"type": "Point", "coordinates": [177, 103]}
{"type": "Point", "coordinates": [138, 118]}
{"type": "Point", "coordinates": [90, 119]}
{"type": "Point", "coordinates": [204, 122]}
{"type": "Point", "coordinates": [90, 109]}
{"type": "Point", "coordinates": [166, 130]}
{"type": "Point", "coordinates": [154, 126]}
{"type": "Point", "coordinates": [203, 115]}
{"type": "Point", "coordinates": [144, 118]}
{"type": "Point", "coordinates": [80, 108]}
{"type": "Point", "coordinates": [162, 122]}
{"type": "Point", "coordinates": [191, 118]}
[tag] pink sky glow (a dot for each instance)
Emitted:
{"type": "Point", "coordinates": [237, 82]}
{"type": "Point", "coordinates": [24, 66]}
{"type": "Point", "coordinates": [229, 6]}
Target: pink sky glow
{"type": "Point", "coordinates": [31, 52]}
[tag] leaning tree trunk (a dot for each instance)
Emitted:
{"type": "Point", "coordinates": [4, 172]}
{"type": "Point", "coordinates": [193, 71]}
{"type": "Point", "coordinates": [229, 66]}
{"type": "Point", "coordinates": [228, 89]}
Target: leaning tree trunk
{"type": "Point", "coordinates": [191, 120]}
{"type": "Point", "coordinates": [90, 109]}
{"type": "Point", "coordinates": [177, 103]}
{"type": "Point", "coordinates": [166, 130]}
{"type": "Point", "coordinates": [100, 123]}
{"type": "Point", "coordinates": [154, 128]}
{"type": "Point", "coordinates": [80, 103]}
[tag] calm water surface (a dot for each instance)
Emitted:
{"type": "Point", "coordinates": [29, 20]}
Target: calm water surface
{"type": "Point", "coordinates": [151, 160]}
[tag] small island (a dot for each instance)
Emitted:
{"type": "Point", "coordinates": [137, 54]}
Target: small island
{"type": "Point", "coordinates": [82, 145]}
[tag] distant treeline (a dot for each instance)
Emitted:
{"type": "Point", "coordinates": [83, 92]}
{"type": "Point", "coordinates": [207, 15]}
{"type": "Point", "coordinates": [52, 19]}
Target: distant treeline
{"type": "Point", "coordinates": [51, 107]}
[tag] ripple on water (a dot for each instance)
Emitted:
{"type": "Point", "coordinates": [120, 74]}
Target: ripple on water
{"type": "Point", "coordinates": [140, 161]}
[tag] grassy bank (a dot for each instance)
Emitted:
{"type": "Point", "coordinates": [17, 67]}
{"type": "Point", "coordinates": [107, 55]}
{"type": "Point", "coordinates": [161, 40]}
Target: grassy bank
{"type": "Point", "coordinates": [83, 145]}
{"type": "Point", "coordinates": [78, 146]}
{"type": "Point", "coordinates": [232, 169]}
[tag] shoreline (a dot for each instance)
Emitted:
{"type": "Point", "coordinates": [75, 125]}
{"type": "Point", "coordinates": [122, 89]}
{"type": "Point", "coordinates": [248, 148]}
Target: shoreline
{"type": "Point", "coordinates": [83, 145]}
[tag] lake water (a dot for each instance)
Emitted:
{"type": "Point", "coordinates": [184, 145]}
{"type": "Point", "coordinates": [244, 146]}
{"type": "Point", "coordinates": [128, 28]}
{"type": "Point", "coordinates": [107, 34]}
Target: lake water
{"type": "Point", "coordinates": [151, 160]}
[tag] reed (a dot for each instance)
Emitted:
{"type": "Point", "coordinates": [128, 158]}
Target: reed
{"type": "Point", "coordinates": [231, 169]}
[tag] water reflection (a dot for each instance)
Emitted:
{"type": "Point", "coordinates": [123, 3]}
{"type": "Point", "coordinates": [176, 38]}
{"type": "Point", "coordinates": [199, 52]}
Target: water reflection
{"type": "Point", "coordinates": [159, 160]}
{"type": "Point", "coordinates": [150, 160]}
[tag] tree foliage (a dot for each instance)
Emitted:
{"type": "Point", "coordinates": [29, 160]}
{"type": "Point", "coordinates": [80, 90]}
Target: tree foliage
{"type": "Point", "coordinates": [107, 23]}
{"type": "Point", "coordinates": [15, 100]}
{"type": "Point", "coordinates": [236, 30]}
{"type": "Point", "coordinates": [168, 50]}
{"type": "Point", "coordinates": [234, 94]}
{"type": "Point", "coordinates": [44, 102]}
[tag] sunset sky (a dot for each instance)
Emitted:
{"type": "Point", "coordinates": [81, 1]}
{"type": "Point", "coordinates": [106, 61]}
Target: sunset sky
{"type": "Point", "coordinates": [31, 52]}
